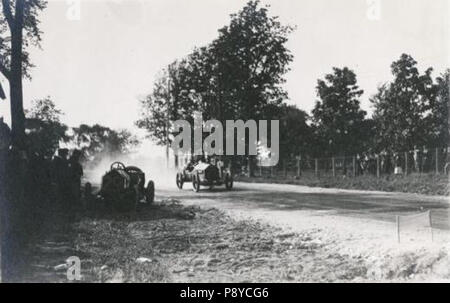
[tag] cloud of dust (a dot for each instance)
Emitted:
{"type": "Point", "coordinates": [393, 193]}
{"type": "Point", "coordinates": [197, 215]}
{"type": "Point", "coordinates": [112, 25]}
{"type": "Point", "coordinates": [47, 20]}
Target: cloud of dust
{"type": "Point", "coordinates": [152, 164]}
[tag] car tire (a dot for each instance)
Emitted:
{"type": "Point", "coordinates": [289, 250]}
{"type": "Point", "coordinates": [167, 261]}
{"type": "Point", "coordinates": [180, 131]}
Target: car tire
{"type": "Point", "coordinates": [179, 180]}
{"type": "Point", "coordinates": [150, 192]}
{"type": "Point", "coordinates": [196, 183]}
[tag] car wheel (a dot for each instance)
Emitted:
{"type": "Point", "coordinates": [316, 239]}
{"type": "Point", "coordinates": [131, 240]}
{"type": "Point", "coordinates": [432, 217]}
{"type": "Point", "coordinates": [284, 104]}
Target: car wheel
{"type": "Point", "coordinates": [150, 192]}
{"type": "Point", "coordinates": [196, 183]}
{"type": "Point", "coordinates": [180, 181]}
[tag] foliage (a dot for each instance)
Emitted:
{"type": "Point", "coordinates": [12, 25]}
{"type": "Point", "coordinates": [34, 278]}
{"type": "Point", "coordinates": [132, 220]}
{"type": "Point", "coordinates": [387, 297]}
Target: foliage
{"type": "Point", "coordinates": [439, 118]}
{"type": "Point", "coordinates": [237, 76]}
{"type": "Point", "coordinates": [19, 28]}
{"type": "Point", "coordinates": [32, 32]}
{"type": "Point", "coordinates": [45, 130]}
{"type": "Point", "coordinates": [337, 116]}
{"type": "Point", "coordinates": [402, 107]}
{"type": "Point", "coordinates": [97, 140]}
{"type": "Point", "coordinates": [295, 133]}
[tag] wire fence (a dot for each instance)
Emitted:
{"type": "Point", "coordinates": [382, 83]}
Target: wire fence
{"type": "Point", "coordinates": [414, 226]}
{"type": "Point", "coordinates": [420, 161]}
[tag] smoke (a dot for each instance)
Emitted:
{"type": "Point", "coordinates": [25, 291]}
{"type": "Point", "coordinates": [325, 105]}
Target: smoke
{"type": "Point", "coordinates": [151, 161]}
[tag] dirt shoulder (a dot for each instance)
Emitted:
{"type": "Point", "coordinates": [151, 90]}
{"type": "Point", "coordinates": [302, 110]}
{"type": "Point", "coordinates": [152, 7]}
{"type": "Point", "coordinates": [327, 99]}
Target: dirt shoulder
{"type": "Point", "coordinates": [166, 244]}
{"type": "Point", "coordinates": [170, 242]}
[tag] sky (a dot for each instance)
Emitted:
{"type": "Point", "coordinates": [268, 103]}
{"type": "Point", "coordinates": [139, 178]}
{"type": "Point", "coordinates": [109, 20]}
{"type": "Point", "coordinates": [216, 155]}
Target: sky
{"type": "Point", "coordinates": [99, 57]}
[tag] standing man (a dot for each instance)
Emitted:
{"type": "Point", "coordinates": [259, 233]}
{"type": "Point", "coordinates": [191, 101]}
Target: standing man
{"type": "Point", "coordinates": [5, 238]}
{"type": "Point", "coordinates": [60, 174]}
{"type": "Point", "coordinates": [76, 172]}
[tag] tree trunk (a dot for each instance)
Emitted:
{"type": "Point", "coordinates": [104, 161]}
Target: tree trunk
{"type": "Point", "coordinates": [15, 79]}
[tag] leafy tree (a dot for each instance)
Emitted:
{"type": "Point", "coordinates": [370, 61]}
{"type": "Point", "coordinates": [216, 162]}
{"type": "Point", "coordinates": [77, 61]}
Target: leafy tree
{"type": "Point", "coordinates": [45, 130]}
{"type": "Point", "coordinates": [295, 133]}
{"type": "Point", "coordinates": [154, 116]}
{"type": "Point", "coordinates": [19, 28]}
{"type": "Point", "coordinates": [440, 112]}
{"type": "Point", "coordinates": [99, 140]}
{"type": "Point", "coordinates": [252, 59]}
{"type": "Point", "coordinates": [337, 116]}
{"type": "Point", "coordinates": [401, 107]}
{"type": "Point", "coordinates": [237, 76]}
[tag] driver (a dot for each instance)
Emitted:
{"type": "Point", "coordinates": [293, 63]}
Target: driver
{"type": "Point", "coordinates": [190, 165]}
{"type": "Point", "coordinates": [220, 165]}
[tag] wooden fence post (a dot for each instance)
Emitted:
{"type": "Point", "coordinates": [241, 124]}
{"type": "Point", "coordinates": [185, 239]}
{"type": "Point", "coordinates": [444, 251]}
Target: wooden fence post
{"type": "Point", "coordinates": [406, 163]}
{"type": "Point", "coordinates": [316, 164]}
{"type": "Point", "coordinates": [431, 225]}
{"type": "Point", "coordinates": [333, 166]}
{"type": "Point", "coordinates": [354, 166]}
{"type": "Point", "coordinates": [285, 168]}
{"type": "Point", "coordinates": [398, 228]}
{"type": "Point", "coordinates": [378, 166]}
{"type": "Point", "coordinates": [437, 161]}
{"type": "Point", "coordinates": [299, 169]}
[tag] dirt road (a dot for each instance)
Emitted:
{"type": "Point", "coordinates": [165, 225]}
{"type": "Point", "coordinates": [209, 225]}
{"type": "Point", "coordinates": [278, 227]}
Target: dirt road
{"type": "Point", "coordinates": [348, 205]}
{"type": "Point", "coordinates": [354, 223]}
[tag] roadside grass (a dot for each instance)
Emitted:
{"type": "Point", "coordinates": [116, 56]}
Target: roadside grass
{"type": "Point", "coordinates": [427, 184]}
{"type": "Point", "coordinates": [168, 242]}
{"type": "Point", "coordinates": [165, 243]}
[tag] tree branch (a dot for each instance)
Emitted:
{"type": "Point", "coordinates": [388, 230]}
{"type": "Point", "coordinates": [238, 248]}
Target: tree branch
{"type": "Point", "coordinates": [7, 12]}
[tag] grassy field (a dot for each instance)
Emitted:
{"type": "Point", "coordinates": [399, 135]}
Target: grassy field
{"type": "Point", "coordinates": [428, 184]}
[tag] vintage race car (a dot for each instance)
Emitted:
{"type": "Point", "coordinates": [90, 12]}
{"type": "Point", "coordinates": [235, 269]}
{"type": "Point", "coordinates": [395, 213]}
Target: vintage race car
{"type": "Point", "coordinates": [204, 174]}
{"type": "Point", "coordinates": [124, 187]}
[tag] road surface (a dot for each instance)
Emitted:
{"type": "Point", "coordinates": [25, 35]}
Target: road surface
{"type": "Point", "coordinates": [288, 202]}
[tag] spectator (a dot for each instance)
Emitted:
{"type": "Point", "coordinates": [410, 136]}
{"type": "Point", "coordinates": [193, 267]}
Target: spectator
{"type": "Point", "coordinates": [61, 179]}
{"type": "Point", "coordinates": [75, 174]}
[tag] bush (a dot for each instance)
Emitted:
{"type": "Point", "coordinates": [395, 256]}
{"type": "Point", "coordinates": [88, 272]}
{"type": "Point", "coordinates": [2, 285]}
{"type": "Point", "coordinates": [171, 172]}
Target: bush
{"type": "Point", "coordinates": [427, 184]}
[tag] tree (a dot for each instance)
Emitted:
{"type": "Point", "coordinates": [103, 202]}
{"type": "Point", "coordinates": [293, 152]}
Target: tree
{"type": "Point", "coordinates": [337, 116]}
{"type": "Point", "coordinates": [252, 59]}
{"type": "Point", "coordinates": [295, 133]}
{"type": "Point", "coordinates": [154, 116]}
{"type": "Point", "coordinates": [237, 76]}
{"type": "Point", "coordinates": [440, 112]}
{"type": "Point", "coordinates": [99, 140]}
{"type": "Point", "coordinates": [19, 28]}
{"type": "Point", "coordinates": [45, 130]}
{"type": "Point", "coordinates": [402, 107]}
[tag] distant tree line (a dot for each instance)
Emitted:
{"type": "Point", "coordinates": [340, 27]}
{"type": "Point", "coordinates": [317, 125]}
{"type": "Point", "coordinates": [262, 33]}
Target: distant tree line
{"type": "Point", "coordinates": [45, 133]}
{"type": "Point", "coordinates": [240, 75]}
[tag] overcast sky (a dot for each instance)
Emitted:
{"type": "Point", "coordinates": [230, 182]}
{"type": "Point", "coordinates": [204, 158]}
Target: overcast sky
{"type": "Point", "coordinates": [95, 68]}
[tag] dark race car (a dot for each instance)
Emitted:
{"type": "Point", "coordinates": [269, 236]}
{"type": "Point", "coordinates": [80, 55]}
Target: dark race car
{"type": "Point", "coordinates": [124, 187]}
{"type": "Point", "coordinates": [205, 174]}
